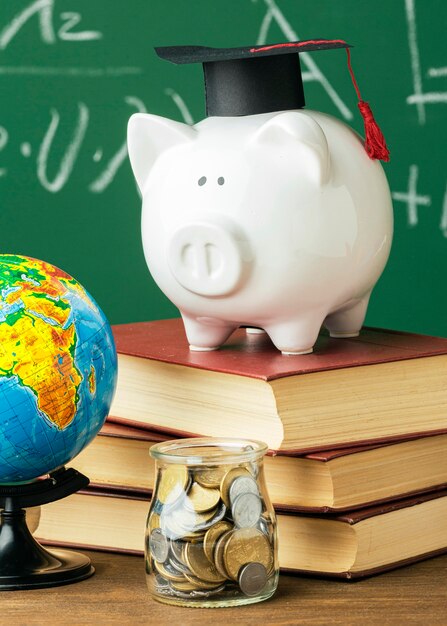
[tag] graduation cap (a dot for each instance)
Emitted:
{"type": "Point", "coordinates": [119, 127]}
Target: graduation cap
{"type": "Point", "coordinates": [262, 79]}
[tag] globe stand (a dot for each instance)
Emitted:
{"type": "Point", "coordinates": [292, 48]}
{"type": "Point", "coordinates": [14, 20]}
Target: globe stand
{"type": "Point", "coordinates": [24, 563]}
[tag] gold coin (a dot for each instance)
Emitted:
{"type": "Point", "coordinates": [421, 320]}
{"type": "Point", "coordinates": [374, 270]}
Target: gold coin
{"type": "Point", "coordinates": [201, 584]}
{"type": "Point", "coordinates": [194, 537]}
{"type": "Point", "coordinates": [154, 521]}
{"type": "Point", "coordinates": [228, 479]}
{"type": "Point", "coordinates": [219, 553]}
{"type": "Point", "coordinates": [212, 535]}
{"type": "Point", "coordinates": [183, 586]}
{"type": "Point", "coordinates": [173, 482]}
{"type": "Point", "coordinates": [245, 546]}
{"type": "Point", "coordinates": [210, 477]}
{"type": "Point", "coordinates": [202, 499]}
{"type": "Point", "coordinates": [168, 572]}
{"type": "Point", "coordinates": [199, 565]}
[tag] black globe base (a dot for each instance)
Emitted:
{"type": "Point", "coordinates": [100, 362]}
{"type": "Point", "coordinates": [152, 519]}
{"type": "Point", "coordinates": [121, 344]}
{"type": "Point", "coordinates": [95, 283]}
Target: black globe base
{"type": "Point", "coordinates": [24, 563]}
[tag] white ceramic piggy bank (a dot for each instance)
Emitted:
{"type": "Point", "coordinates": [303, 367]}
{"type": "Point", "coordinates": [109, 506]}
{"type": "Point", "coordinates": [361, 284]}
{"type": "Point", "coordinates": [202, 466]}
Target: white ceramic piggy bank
{"type": "Point", "coordinates": [279, 221]}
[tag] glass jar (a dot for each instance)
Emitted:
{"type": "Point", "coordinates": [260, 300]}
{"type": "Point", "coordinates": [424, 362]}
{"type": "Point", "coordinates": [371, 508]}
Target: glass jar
{"type": "Point", "coordinates": [211, 531]}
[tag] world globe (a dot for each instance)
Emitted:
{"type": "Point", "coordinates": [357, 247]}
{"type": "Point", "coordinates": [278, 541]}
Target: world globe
{"type": "Point", "coordinates": [57, 368]}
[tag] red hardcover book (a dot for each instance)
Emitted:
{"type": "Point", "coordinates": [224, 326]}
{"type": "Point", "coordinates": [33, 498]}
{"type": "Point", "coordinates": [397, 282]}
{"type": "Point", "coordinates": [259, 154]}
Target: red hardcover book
{"type": "Point", "coordinates": [382, 386]}
{"type": "Point", "coordinates": [334, 480]}
{"type": "Point", "coordinates": [352, 545]}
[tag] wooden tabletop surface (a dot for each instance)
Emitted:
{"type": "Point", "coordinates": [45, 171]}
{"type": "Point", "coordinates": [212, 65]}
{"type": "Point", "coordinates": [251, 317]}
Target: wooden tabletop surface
{"type": "Point", "coordinates": [117, 594]}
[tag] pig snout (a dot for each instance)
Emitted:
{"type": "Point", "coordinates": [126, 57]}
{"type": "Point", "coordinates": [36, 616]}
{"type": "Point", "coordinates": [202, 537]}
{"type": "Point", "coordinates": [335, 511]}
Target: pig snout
{"type": "Point", "coordinates": [209, 258]}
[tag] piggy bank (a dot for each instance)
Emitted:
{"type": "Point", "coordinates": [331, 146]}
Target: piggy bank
{"type": "Point", "coordinates": [278, 221]}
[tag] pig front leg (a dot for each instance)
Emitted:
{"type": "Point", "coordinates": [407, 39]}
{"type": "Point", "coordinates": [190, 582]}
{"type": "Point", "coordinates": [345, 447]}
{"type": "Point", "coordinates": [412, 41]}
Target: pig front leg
{"type": "Point", "coordinates": [349, 321]}
{"type": "Point", "coordinates": [294, 337]}
{"type": "Point", "coordinates": [206, 337]}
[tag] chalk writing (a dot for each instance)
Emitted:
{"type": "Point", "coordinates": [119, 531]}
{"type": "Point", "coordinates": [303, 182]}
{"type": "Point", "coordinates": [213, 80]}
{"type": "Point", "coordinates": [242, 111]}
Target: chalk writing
{"type": "Point", "coordinates": [419, 97]}
{"type": "Point", "coordinates": [44, 10]}
{"type": "Point", "coordinates": [87, 72]}
{"type": "Point", "coordinates": [181, 105]}
{"type": "Point", "coordinates": [105, 178]}
{"type": "Point", "coordinates": [312, 71]}
{"type": "Point", "coordinates": [3, 141]}
{"type": "Point", "coordinates": [411, 198]}
{"type": "Point", "coordinates": [70, 154]}
{"type": "Point", "coordinates": [443, 224]}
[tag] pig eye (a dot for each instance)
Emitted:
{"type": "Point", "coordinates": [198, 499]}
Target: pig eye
{"type": "Point", "coordinates": [220, 180]}
{"type": "Point", "coordinates": [202, 181]}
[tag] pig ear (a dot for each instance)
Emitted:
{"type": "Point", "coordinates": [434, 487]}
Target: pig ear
{"type": "Point", "coordinates": [148, 136]}
{"type": "Point", "coordinates": [299, 131]}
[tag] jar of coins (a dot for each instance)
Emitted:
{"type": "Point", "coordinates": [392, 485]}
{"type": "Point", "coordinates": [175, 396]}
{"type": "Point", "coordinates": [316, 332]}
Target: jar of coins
{"type": "Point", "coordinates": [211, 530]}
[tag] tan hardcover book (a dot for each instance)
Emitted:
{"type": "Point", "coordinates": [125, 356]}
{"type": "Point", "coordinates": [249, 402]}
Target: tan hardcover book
{"type": "Point", "coordinates": [351, 545]}
{"type": "Point", "coordinates": [332, 480]}
{"type": "Point", "coordinates": [381, 386]}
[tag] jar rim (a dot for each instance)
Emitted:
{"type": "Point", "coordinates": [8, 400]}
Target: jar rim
{"type": "Point", "coordinates": [208, 450]}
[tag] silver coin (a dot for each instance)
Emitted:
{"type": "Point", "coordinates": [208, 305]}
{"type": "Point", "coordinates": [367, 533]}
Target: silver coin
{"type": "Point", "coordinates": [161, 583]}
{"type": "Point", "coordinates": [240, 485]}
{"type": "Point", "coordinates": [252, 578]}
{"type": "Point", "coordinates": [264, 526]}
{"type": "Point", "coordinates": [197, 593]}
{"type": "Point", "coordinates": [178, 565]}
{"type": "Point", "coordinates": [177, 549]}
{"type": "Point", "coordinates": [246, 509]}
{"type": "Point", "coordinates": [177, 523]}
{"type": "Point", "coordinates": [158, 545]}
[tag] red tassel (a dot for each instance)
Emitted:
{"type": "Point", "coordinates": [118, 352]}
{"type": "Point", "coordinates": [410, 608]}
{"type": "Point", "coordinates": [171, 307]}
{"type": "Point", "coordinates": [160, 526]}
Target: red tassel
{"type": "Point", "coordinates": [375, 144]}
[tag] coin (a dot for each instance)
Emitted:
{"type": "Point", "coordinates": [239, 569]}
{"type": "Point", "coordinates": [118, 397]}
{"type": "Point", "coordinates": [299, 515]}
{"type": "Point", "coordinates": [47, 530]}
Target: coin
{"type": "Point", "coordinates": [158, 545]}
{"type": "Point", "coordinates": [161, 583]}
{"type": "Point", "coordinates": [244, 546]}
{"type": "Point", "coordinates": [210, 477]}
{"type": "Point", "coordinates": [242, 484]}
{"type": "Point", "coordinates": [178, 565]}
{"type": "Point", "coordinates": [252, 578]}
{"type": "Point", "coordinates": [176, 549]}
{"type": "Point", "coordinates": [212, 535]}
{"type": "Point", "coordinates": [215, 517]}
{"type": "Point", "coordinates": [168, 572]}
{"type": "Point", "coordinates": [263, 526]}
{"type": "Point", "coordinates": [206, 594]}
{"type": "Point", "coordinates": [246, 510]}
{"type": "Point", "coordinates": [199, 593]}
{"type": "Point", "coordinates": [202, 499]}
{"type": "Point", "coordinates": [173, 482]}
{"type": "Point", "coordinates": [182, 586]}
{"type": "Point", "coordinates": [154, 521]}
{"type": "Point", "coordinates": [218, 553]}
{"type": "Point", "coordinates": [228, 479]}
{"type": "Point", "coordinates": [199, 565]}
{"type": "Point", "coordinates": [201, 584]}
{"type": "Point", "coordinates": [176, 523]}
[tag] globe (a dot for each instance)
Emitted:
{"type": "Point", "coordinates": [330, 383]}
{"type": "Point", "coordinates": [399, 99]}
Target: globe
{"type": "Point", "coordinates": [57, 368]}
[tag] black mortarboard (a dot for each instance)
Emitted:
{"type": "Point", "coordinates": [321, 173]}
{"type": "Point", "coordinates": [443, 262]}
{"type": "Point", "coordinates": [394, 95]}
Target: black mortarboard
{"type": "Point", "coordinates": [263, 79]}
{"type": "Point", "coordinates": [250, 80]}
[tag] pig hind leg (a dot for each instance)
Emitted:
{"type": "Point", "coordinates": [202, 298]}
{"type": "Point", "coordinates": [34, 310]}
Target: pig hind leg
{"type": "Point", "coordinates": [297, 336]}
{"type": "Point", "coordinates": [205, 337]}
{"type": "Point", "coordinates": [348, 321]}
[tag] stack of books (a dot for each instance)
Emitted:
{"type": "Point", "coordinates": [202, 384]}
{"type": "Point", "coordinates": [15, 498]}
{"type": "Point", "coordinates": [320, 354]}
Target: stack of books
{"type": "Point", "coordinates": [357, 431]}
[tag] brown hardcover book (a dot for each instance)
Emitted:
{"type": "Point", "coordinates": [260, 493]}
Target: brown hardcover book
{"type": "Point", "coordinates": [332, 480]}
{"type": "Point", "coordinates": [350, 545]}
{"type": "Point", "coordinates": [381, 386]}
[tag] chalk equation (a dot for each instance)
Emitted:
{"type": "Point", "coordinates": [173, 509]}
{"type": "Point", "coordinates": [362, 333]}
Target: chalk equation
{"type": "Point", "coordinates": [56, 27]}
{"type": "Point", "coordinates": [412, 199]}
{"type": "Point", "coordinates": [70, 155]}
{"type": "Point", "coordinates": [52, 26]}
{"type": "Point", "coordinates": [420, 98]}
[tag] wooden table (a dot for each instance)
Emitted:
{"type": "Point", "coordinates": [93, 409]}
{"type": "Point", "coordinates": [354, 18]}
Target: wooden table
{"type": "Point", "coordinates": [117, 595]}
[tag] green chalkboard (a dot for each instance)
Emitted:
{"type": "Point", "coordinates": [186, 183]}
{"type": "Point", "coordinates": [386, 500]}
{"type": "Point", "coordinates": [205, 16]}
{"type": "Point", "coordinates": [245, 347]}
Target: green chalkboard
{"type": "Point", "coordinates": [73, 71]}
